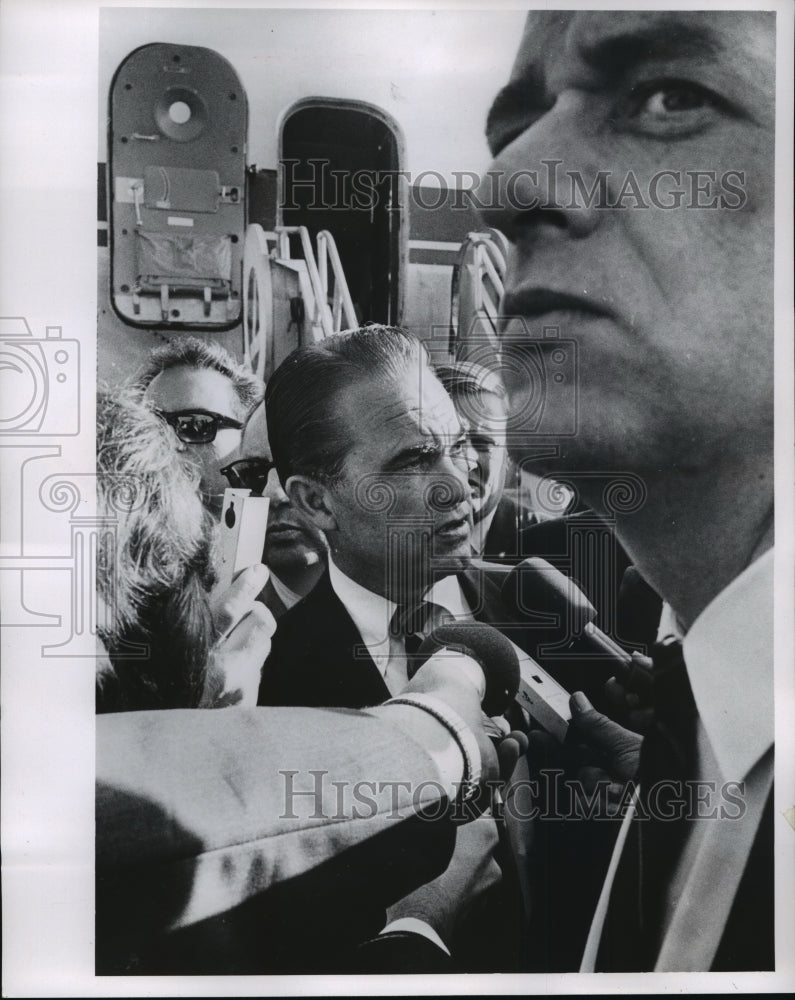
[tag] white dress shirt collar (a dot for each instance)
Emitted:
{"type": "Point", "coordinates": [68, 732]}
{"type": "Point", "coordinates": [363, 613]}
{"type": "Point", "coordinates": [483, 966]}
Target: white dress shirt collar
{"type": "Point", "coordinates": [286, 596]}
{"type": "Point", "coordinates": [729, 656]}
{"type": "Point", "coordinates": [372, 613]}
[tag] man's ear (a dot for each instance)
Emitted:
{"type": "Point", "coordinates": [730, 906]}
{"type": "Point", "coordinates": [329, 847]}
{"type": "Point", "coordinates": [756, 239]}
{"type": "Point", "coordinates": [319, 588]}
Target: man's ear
{"type": "Point", "coordinates": [311, 498]}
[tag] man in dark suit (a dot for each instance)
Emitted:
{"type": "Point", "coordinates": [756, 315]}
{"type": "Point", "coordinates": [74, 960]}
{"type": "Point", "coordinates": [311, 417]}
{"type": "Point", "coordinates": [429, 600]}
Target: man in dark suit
{"type": "Point", "coordinates": [370, 450]}
{"type": "Point", "coordinates": [633, 170]}
{"type": "Point", "coordinates": [319, 658]}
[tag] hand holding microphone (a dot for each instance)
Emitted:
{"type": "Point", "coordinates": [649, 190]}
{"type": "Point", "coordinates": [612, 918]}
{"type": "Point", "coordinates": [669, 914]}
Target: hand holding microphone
{"type": "Point", "coordinates": [489, 659]}
{"type": "Point", "coordinates": [538, 593]}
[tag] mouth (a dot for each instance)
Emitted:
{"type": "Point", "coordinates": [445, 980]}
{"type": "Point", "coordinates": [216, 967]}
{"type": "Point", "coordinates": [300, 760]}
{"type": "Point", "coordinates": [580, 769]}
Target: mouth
{"type": "Point", "coordinates": [285, 532]}
{"type": "Point", "coordinates": [532, 303]}
{"type": "Point", "coordinates": [455, 530]}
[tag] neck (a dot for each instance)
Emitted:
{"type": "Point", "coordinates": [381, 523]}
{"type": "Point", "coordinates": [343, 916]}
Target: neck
{"type": "Point", "coordinates": [692, 538]}
{"type": "Point", "coordinates": [378, 581]}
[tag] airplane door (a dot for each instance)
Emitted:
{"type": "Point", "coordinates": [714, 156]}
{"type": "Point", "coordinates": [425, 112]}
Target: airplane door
{"type": "Point", "coordinates": [339, 170]}
{"type": "Point", "coordinates": [177, 151]}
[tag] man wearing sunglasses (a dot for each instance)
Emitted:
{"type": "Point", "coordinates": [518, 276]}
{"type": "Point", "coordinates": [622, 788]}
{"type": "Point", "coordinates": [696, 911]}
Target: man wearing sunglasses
{"type": "Point", "coordinates": [295, 550]}
{"type": "Point", "coordinates": [205, 396]}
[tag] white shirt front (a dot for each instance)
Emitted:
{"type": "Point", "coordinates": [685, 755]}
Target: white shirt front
{"type": "Point", "coordinates": [728, 652]}
{"type": "Point", "coordinates": [729, 656]}
{"type": "Point", "coordinates": [372, 614]}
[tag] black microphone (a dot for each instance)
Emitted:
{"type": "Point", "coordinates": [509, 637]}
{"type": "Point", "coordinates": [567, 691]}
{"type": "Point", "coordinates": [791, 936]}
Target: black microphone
{"type": "Point", "coordinates": [537, 592]}
{"type": "Point", "coordinates": [491, 649]}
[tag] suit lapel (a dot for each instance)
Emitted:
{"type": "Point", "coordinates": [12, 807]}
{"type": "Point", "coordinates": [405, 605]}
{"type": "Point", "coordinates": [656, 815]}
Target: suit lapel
{"type": "Point", "coordinates": [271, 600]}
{"type": "Point", "coordinates": [342, 664]}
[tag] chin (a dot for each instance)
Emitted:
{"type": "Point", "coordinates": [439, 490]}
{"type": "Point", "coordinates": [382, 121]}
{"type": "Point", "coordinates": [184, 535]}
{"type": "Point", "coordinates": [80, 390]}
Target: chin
{"type": "Point", "coordinates": [458, 559]}
{"type": "Point", "coordinates": [294, 558]}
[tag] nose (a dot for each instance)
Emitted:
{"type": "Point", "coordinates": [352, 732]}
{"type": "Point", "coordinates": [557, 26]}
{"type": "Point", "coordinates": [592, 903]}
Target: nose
{"type": "Point", "coordinates": [273, 489]}
{"type": "Point", "coordinates": [470, 459]}
{"type": "Point", "coordinates": [450, 487]}
{"type": "Point", "coordinates": [467, 460]}
{"type": "Point", "coordinates": [546, 176]}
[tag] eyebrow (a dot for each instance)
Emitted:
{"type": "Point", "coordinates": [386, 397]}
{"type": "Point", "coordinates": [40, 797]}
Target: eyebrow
{"type": "Point", "coordinates": [612, 58]}
{"type": "Point", "coordinates": [429, 447]}
{"type": "Point", "coordinates": [667, 39]}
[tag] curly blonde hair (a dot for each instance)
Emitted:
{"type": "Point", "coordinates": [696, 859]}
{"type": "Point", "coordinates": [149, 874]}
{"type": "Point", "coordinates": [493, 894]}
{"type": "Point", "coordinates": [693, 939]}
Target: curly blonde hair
{"type": "Point", "coordinates": [155, 560]}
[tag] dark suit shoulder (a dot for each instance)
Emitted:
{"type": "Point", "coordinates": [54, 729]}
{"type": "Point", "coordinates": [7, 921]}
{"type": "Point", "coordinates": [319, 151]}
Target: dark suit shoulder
{"type": "Point", "coordinates": [503, 538]}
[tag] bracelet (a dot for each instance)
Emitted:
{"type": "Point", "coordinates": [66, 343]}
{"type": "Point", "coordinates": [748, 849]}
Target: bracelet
{"type": "Point", "coordinates": [457, 728]}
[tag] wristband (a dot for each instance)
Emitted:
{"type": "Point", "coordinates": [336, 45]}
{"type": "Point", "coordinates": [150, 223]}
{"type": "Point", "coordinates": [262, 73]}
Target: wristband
{"type": "Point", "coordinates": [457, 728]}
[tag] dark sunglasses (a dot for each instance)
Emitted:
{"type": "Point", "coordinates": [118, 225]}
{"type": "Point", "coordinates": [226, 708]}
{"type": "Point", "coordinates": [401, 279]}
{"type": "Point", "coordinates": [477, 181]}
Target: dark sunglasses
{"type": "Point", "coordinates": [197, 426]}
{"type": "Point", "coordinates": [248, 474]}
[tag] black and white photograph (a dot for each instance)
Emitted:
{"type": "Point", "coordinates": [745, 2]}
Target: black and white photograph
{"type": "Point", "coordinates": [397, 499]}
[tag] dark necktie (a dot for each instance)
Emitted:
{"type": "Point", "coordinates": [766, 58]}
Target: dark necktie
{"type": "Point", "coordinates": [414, 623]}
{"type": "Point", "coordinates": [634, 924]}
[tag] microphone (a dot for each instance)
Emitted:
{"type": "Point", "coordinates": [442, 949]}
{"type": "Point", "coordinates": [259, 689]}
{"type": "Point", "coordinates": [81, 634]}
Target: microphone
{"type": "Point", "coordinates": [538, 592]}
{"type": "Point", "coordinates": [495, 653]}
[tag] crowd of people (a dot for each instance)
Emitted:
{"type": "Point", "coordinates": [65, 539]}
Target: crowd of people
{"type": "Point", "coordinates": [241, 840]}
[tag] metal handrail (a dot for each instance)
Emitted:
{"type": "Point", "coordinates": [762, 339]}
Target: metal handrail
{"type": "Point", "coordinates": [483, 255]}
{"type": "Point", "coordinates": [328, 317]}
{"type": "Point", "coordinates": [322, 313]}
{"type": "Point", "coordinates": [485, 266]}
{"type": "Point", "coordinates": [342, 302]}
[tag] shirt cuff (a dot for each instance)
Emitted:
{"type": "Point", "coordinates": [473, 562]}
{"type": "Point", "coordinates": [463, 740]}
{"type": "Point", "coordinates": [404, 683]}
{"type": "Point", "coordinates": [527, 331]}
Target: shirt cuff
{"type": "Point", "coordinates": [413, 925]}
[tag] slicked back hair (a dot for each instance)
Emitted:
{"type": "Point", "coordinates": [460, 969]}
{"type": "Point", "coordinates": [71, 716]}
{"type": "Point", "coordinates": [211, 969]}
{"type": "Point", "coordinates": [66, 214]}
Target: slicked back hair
{"type": "Point", "coordinates": [190, 352]}
{"type": "Point", "coordinates": [460, 377]}
{"type": "Point", "coordinates": [306, 435]}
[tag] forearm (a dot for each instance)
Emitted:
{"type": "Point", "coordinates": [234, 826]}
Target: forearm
{"type": "Point", "coordinates": [273, 792]}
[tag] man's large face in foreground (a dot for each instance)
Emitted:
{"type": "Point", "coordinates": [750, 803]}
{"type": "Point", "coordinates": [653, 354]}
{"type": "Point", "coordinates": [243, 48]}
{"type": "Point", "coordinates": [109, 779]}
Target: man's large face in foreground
{"type": "Point", "coordinates": [665, 280]}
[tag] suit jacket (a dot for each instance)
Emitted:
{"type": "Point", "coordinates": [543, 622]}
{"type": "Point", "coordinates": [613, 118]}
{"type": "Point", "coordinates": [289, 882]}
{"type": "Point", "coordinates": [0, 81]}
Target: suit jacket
{"type": "Point", "coordinates": [573, 543]}
{"type": "Point", "coordinates": [271, 600]}
{"type": "Point", "coordinates": [318, 658]}
{"type": "Point", "coordinates": [211, 858]}
{"type": "Point", "coordinates": [502, 538]}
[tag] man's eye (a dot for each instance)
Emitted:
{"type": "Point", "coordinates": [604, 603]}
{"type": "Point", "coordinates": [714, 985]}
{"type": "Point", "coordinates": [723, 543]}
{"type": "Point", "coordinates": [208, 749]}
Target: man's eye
{"type": "Point", "coordinates": [419, 459]}
{"type": "Point", "coordinates": [671, 98]}
{"type": "Point", "coordinates": [671, 107]}
{"type": "Point", "coordinates": [482, 443]}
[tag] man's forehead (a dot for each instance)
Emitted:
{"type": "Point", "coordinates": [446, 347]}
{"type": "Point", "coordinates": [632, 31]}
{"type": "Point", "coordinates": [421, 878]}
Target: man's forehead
{"type": "Point", "coordinates": [187, 381]}
{"type": "Point", "coordinates": [607, 38]}
{"type": "Point", "coordinates": [412, 401]}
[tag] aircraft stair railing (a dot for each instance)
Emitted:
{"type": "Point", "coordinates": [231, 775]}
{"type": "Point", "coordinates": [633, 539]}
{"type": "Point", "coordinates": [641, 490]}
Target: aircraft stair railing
{"type": "Point", "coordinates": [318, 310]}
{"type": "Point", "coordinates": [287, 299]}
{"type": "Point", "coordinates": [341, 303]}
{"type": "Point", "coordinates": [477, 289]}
